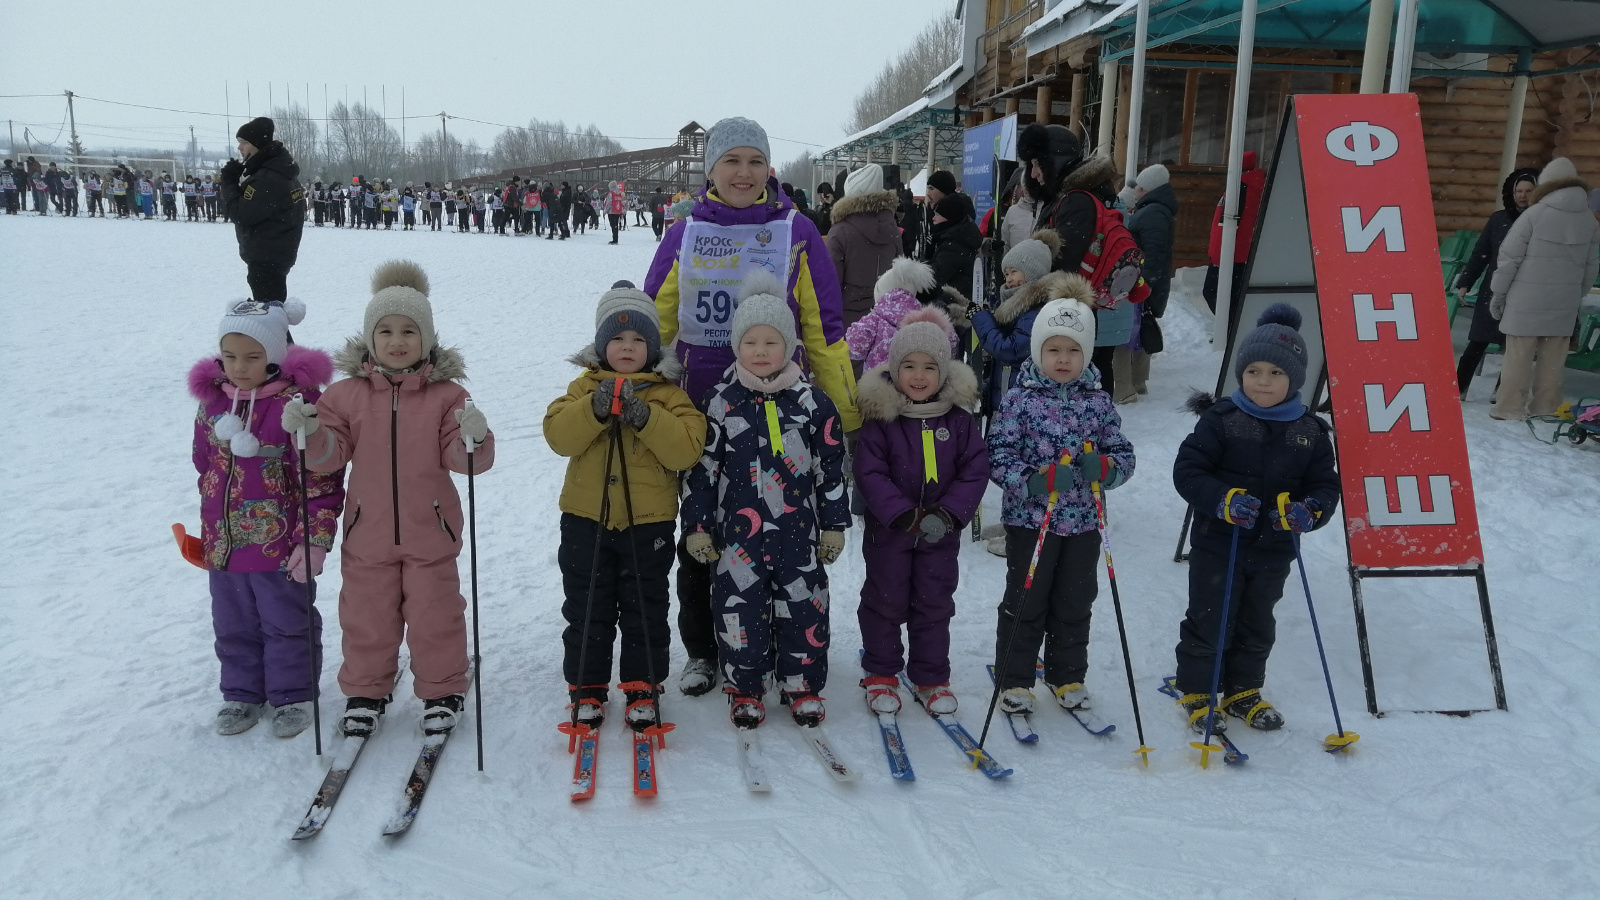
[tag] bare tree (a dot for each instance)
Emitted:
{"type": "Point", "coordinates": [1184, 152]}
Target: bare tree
{"type": "Point", "coordinates": [905, 77]}
{"type": "Point", "coordinates": [797, 171]}
{"type": "Point", "coordinates": [548, 142]}
{"type": "Point", "coordinates": [361, 142]}
{"type": "Point", "coordinates": [292, 127]}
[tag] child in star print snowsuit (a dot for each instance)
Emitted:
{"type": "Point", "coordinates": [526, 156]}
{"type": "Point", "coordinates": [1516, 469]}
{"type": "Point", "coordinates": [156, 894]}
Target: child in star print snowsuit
{"type": "Point", "coordinates": [250, 536]}
{"type": "Point", "coordinates": [767, 503]}
{"type": "Point", "coordinates": [1036, 447]}
{"type": "Point", "coordinates": [921, 465]}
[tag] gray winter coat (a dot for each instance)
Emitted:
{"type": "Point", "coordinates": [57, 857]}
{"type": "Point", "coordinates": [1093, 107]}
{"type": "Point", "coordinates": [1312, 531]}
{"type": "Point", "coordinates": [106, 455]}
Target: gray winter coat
{"type": "Point", "coordinates": [1547, 262]}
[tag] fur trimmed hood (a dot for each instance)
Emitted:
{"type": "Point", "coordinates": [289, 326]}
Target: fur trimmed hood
{"type": "Point", "coordinates": [670, 369]}
{"type": "Point", "coordinates": [1036, 294]}
{"type": "Point", "coordinates": [1095, 171]}
{"type": "Point", "coordinates": [1550, 187]}
{"type": "Point", "coordinates": [879, 399]}
{"type": "Point", "coordinates": [870, 202]}
{"type": "Point", "coordinates": [303, 368]}
{"type": "Point", "coordinates": [444, 363]}
{"type": "Point", "coordinates": [1199, 402]}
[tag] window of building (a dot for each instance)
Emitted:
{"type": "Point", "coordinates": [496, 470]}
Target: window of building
{"type": "Point", "coordinates": [1161, 125]}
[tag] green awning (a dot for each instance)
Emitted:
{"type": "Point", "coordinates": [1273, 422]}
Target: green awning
{"type": "Point", "coordinates": [1443, 26]}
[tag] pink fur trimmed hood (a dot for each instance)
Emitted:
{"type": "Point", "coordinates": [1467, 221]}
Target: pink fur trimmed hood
{"type": "Point", "coordinates": [303, 367]}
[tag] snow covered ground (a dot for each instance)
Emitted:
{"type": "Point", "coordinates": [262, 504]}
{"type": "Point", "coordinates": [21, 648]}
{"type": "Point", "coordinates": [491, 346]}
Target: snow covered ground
{"type": "Point", "coordinates": [118, 786]}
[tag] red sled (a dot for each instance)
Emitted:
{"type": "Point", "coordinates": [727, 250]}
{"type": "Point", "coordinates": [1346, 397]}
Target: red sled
{"type": "Point", "coordinates": [189, 546]}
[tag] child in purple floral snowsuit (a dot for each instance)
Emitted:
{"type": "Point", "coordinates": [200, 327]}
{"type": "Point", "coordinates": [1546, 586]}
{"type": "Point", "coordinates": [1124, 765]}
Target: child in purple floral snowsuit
{"type": "Point", "coordinates": [894, 297]}
{"type": "Point", "coordinates": [1036, 447]}
{"type": "Point", "coordinates": [251, 539]}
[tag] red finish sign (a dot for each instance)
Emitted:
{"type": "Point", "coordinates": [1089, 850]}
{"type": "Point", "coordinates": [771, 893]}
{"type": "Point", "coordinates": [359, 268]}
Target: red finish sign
{"type": "Point", "coordinates": [1391, 369]}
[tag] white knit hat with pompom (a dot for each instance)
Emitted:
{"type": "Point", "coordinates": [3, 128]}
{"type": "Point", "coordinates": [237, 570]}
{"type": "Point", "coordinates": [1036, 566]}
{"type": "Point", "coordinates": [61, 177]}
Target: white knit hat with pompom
{"type": "Point", "coordinates": [266, 322]}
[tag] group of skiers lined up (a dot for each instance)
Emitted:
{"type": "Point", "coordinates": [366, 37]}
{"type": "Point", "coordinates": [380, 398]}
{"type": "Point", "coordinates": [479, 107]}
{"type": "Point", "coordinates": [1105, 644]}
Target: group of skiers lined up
{"type": "Point", "coordinates": [749, 402]}
{"type": "Point", "coordinates": [522, 207]}
{"type": "Point", "coordinates": [124, 191]}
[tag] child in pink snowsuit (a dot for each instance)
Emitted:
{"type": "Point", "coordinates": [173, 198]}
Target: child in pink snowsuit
{"type": "Point", "coordinates": [250, 493]}
{"type": "Point", "coordinates": [894, 297]}
{"type": "Point", "coordinates": [399, 420]}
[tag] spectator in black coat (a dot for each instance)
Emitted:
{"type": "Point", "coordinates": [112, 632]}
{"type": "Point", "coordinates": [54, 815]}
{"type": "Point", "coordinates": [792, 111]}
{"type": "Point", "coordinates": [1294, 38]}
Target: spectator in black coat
{"type": "Point", "coordinates": [263, 198]}
{"type": "Point", "coordinates": [658, 211]}
{"type": "Point", "coordinates": [1068, 186]}
{"type": "Point", "coordinates": [1153, 224]}
{"type": "Point", "coordinates": [1515, 195]}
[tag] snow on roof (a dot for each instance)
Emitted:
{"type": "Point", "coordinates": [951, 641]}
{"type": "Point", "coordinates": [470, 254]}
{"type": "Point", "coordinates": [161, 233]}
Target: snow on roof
{"type": "Point", "coordinates": [1055, 17]}
{"type": "Point", "coordinates": [907, 112]}
{"type": "Point", "coordinates": [942, 77]}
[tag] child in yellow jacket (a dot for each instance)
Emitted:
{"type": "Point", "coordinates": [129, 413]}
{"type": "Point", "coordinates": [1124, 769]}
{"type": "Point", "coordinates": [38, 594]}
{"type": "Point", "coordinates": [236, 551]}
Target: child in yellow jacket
{"type": "Point", "coordinates": [619, 508]}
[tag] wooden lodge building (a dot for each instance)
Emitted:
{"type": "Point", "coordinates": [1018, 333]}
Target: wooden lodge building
{"type": "Point", "coordinates": [1070, 62]}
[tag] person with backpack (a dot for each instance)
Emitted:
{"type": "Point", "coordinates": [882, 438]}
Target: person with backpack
{"type": "Point", "coordinates": [1076, 201]}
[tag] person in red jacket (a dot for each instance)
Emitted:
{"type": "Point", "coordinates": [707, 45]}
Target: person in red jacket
{"type": "Point", "coordinates": [1251, 186]}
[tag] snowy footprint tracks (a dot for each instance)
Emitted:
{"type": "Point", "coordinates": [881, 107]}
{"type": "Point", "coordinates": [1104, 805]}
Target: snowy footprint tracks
{"type": "Point", "coordinates": [961, 737]}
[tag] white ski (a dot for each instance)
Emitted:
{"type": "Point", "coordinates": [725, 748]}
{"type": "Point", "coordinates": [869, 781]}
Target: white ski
{"type": "Point", "coordinates": [819, 745]}
{"type": "Point", "coordinates": [750, 762]}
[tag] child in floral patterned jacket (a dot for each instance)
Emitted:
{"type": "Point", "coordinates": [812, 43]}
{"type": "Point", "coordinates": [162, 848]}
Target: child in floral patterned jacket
{"type": "Point", "coordinates": [1037, 453]}
{"type": "Point", "coordinates": [250, 495]}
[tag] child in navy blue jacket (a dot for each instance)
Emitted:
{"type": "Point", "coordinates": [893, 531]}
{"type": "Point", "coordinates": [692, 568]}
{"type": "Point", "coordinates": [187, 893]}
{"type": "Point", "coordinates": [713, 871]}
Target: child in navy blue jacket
{"type": "Point", "coordinates": [1246, 451]}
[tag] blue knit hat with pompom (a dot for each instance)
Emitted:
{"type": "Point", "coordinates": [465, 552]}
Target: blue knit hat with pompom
{"type": "Point", "coordinates": [1276, 340]}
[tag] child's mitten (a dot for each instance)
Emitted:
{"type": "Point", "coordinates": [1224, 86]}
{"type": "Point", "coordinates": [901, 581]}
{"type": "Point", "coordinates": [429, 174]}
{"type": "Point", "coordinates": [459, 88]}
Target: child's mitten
{"type": "Point", "coordinates": [473, 423]}
{"type": "Point", "coordinates": [829, 546]}
{"type": "Point", "coordinates": [936, 523]}
{"type": "Point", "coordinates": [635, 412]}
{"type": "Point", "coordinates": [699, 547]}
{"type": "Point", "coordinates": [601, 400]}
{"type": "Point", "coordinates": [297, 562]}
{"type": "Point", "coordinates": [1239, 508]}
{"type": "Point", "coordinates": [1298, 516]}
{"type": "Point", "coordinates": [297, 414]}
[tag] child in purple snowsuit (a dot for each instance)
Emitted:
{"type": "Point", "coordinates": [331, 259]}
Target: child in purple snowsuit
{"type": "Point", "coordinates": [1036, 448]}
{"type": "Point", "coordinates": [250, 493]}
{"type": "Point", "coordinates": [894, 298]}
{"type": "Point", "coordinates": [921, 466]}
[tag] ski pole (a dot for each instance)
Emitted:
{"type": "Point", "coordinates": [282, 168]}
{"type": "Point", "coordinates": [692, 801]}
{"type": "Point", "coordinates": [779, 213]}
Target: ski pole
{"type": "Point", "coordinates": [1335, 743]}
{"type": "Point", "coordinates": [1116, 603]}
{"type": "Point", "coordinates": [1206, 747]}
{"type": "Point", "coordinates": [660, 728]}
{"type": "Point", "coordinates": [594, 565]}
{"type": "Point", "coordinates": [472, 532]}
{"type": "Point", "coordinates": [311, 621]}
{"type": "Point", "coordinates": [1016, 614]}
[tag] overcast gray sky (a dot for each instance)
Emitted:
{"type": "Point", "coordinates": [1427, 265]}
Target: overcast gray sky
{"type": "Point", "coordinates": [637, 69]}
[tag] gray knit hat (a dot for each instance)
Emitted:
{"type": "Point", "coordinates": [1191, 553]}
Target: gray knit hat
{"type": "Point", "coordinates": [1030, 257]}
{"type": "Point", "coordinates": [734, 132]}
{"type": "Point", "coordinates": [1152, 177]}
{"type": "Point", "coordinates": [926, 330]}
{"type": "Point", "coordinates": [761, 302]}
{"type": "Point", "coordinates": [400, 288]}
{"type": "Point", "coordinates": [626, 308]}
{"type": "Point", "coordinates": [1275, 340]}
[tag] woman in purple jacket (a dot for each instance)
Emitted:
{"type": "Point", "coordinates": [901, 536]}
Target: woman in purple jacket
{"type": "Point", "coordinates": [742, 223]}
{"type": "Point", "coordinates": [921, 465]}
